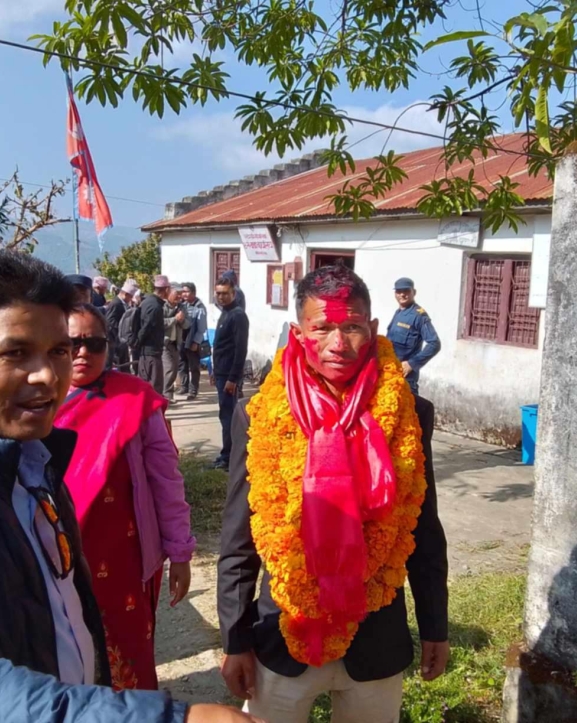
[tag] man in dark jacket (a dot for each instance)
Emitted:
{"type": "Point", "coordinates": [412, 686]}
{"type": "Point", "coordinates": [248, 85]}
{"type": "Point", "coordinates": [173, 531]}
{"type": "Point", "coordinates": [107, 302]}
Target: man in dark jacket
{"type": "Point", "coordinates": [117, 350]}
{"type": "Point", "coordinates": [100, 286]}
{"type": "Point", "coordinates": [151, 334]}
{"type": "Point", "coordinates": [228, 358]}
{"type": "Point", "coordinates": [317, 533]}
{"type": "Point", "coordinates": [238, 292]}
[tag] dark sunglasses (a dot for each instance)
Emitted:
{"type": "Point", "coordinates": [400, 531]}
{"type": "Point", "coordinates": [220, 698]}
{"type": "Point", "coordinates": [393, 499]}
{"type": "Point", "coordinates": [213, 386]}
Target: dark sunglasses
{"type": "Point", "coordinates": [92, 344]}
{"type": "Point", "coordinates": [62, 566]}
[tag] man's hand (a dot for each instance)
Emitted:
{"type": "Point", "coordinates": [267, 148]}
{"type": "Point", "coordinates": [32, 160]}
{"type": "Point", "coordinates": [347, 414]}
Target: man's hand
{"type": "Point", "coordinates": [212, 380]}
{"type": "Point", "coordinates": [218, 714]}
{"type": "Point", "coordinates": [179, 581]}
{"type": "Point", "coordinates": [194, 347]}
{"type": "Point", "coordinates": [230, 388]}
{"type": "Point", "coordinates": [407, 368]}
{"type": "Point", "coordinates": [238, 672]}
{"type": "Point", "coordinates": [180, 317]}
{"type": "Point", "coordinates": [434, 659]}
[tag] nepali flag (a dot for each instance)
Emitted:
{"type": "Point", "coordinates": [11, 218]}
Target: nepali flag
{"type": "Point", "coordinates": [92, 205]}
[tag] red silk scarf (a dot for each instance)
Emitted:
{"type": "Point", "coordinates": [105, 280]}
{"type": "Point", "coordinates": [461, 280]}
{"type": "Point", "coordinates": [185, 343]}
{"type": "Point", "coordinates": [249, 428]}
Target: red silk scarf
{"type": "Point", "coordinates": [349, 477]}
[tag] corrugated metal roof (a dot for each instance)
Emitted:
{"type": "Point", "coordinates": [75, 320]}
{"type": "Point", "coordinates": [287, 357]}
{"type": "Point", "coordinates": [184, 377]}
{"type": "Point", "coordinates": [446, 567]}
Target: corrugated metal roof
{"type": "Point", "coordinates": [304, 196]}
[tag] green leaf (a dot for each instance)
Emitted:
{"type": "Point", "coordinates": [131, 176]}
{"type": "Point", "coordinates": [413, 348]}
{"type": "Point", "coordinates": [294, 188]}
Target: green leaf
{"type": "Point", "coordinates": [133, 17]}
{"type": "Point", "coordinates": [453, 37]}
{"type": "Point", "coordinates": [562, 53]}
{"type": "Point", "coordinates": [542, 127]}
{"type": "Point", "coordinates": [540, 22]}
{"type": "Point", "coordinates": [111, 93]}
{"type": "Point", "coordinates": [119, 30]}
{"type": "Point", "coordinates": [533, 21]}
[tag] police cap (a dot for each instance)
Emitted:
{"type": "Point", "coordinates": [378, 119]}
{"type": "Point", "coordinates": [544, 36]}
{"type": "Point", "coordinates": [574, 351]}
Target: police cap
{"type": "Point", "coordinates": [404, 283]}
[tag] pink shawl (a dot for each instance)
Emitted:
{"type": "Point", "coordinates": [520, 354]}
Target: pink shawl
{"type": "Point", "coordinates": [106, 416]}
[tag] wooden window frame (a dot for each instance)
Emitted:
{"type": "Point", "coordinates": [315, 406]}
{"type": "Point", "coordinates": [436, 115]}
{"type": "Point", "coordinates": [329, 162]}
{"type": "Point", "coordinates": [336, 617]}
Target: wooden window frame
{"type": "Point", "coordinates": [313, 254]}
{"type": "Point", "coordinates": [503, 318]}
{"type": "Point", "coordinates": [213, 267]}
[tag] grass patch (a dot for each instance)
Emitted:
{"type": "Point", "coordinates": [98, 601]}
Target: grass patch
{"type": "Point", "coordinates": [205, 490]}
{"type": "Point", "coordinates": [485, 618]}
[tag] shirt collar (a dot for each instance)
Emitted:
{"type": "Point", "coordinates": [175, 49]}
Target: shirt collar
{"type": "Point", "coordinates": [35, 452]}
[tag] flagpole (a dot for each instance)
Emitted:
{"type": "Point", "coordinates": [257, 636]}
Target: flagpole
{"type": "Point", "coordinates": [75, 222]}
{"type": "Point", "coordinates": [75, 229]}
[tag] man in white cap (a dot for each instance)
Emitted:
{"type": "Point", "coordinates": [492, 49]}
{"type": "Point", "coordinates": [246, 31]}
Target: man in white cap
{"type": "Point", "coordinates": [99, 288]}
{"type": "Point", "coordinates": [118, 348]}
{"type": "Point", "coordinates": [151, 334]}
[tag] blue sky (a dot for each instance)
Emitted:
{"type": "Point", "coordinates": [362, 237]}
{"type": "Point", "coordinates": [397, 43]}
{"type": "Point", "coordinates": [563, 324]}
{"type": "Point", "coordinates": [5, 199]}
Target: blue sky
{"type": "Point", "coordinates": [156, 161]}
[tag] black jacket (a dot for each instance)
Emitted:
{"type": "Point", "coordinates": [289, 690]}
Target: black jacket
{"type": "Point", "coordinates": [114, 313]}
{"type": "Point", "coordinates": [98, 300]}
{"type": "Point", "coordinates": [230, 343]}
{"type": "Point", "coordinates": [151, 333]}
{"type": "Point", "coordinates": [382, 646]}
{"type": "Point", "coordinates": [27, 634]}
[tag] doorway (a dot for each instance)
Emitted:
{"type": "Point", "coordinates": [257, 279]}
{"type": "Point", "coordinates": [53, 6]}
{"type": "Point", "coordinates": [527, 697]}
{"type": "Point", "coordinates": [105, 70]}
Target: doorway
{"type": "Point", "coordinates": [330, 258]}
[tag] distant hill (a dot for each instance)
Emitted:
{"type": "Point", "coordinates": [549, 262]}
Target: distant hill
{"type": "Point", "coordinates": [56, 245]}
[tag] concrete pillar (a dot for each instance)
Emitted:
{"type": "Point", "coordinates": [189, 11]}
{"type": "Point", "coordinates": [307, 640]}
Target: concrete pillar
{"type": "Point", "coordinates": [540, 684]}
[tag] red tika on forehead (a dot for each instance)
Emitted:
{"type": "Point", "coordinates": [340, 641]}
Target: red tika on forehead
{"type": "Point", "coordinates": [336, 309]}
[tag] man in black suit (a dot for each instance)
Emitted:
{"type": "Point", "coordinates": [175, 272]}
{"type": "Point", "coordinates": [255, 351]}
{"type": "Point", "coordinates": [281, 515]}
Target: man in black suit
{"type": "Point", "coordinates": [336, 341]}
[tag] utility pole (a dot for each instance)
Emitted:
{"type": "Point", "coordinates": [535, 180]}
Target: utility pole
{"type": "Point", "coordinates": [541, 685]}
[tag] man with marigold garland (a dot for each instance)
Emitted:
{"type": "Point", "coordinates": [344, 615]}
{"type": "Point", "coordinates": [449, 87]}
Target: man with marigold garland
{"type": "Point", "coordinates": [332, 490]}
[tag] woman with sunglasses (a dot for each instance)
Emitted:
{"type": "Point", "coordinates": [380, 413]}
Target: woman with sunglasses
{"type": "Point", "coordinates": [129, 497]}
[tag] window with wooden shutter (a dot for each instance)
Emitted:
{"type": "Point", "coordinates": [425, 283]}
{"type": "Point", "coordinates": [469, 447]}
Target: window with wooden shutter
{"type": "Point", "coordinates": [486, 298]}
{"type": "Point", "coordinates": [223, 260]}
{"type": "Point", "coordinates": [523, 326]}
{"type": "Point", "coordinates": [497, 302]}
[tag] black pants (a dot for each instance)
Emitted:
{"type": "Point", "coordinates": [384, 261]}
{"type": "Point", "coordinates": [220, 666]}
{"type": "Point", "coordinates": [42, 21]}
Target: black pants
{"type": "Point", "coordinates": [150, 369]}
{"type": "Point", "coordinates": [226, 403]}
{"type": "Point", "coordinates": [118, 356]}
{"type": "Point", "coordinates": [189, 371]}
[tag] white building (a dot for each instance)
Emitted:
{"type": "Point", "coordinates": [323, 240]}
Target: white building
{"type": "Point", "coordinates": [475, 285]}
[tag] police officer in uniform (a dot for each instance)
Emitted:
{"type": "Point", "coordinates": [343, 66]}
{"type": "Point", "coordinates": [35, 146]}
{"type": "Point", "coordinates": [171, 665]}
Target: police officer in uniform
{"type": "Point", "coordinates": [412, 333]}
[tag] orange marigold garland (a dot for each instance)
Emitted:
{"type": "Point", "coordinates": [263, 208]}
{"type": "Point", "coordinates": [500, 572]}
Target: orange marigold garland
{"type": "Point", "coordinates": [276, 461]}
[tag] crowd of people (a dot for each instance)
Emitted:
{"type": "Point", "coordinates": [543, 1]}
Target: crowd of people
{"type": "Point", "coordinates": [331, 492]}
{"type": "Point", "coordinates": [162, 337]}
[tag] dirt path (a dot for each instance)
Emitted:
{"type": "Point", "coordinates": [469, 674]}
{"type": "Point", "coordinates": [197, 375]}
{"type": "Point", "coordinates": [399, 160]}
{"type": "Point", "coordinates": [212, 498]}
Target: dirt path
{"type": "Point", "coordinates": [188, 649]}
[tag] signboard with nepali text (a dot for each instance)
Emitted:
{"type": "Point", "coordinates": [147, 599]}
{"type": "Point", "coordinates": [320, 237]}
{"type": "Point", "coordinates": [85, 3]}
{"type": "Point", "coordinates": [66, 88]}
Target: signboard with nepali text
{"type": "Point", "coordinates": [259, 243]}
{"type": "Point", "coordinates": [460, 231]}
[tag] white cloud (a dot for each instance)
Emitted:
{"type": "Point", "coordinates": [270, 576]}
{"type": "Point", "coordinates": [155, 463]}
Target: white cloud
{"type": "Point", "coordinates": [232, 151]}
{"type": "Point", "coordinates": [183, 50]}
{"type": "Point", "coordinates": [20, 12]}
{"type": "Point", "coordinates": [415, 117]}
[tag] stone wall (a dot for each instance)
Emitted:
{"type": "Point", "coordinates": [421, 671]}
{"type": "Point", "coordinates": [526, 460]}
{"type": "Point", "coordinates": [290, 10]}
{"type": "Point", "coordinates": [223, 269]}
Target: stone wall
{"type": "Point", "coordinates": [244, 185]}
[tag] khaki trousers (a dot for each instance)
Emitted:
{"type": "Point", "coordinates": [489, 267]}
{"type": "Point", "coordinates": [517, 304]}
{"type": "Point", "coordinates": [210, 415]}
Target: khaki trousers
{"type": "Point", "coordinates": [280, 699]}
